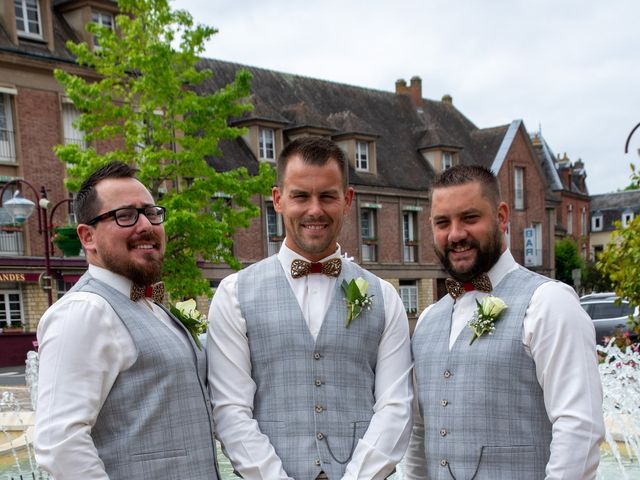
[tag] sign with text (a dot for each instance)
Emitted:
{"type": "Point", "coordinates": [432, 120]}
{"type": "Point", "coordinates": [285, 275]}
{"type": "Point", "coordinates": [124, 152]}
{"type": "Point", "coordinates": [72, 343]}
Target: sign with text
{"type": "Point", "coordinates": [530, 250]}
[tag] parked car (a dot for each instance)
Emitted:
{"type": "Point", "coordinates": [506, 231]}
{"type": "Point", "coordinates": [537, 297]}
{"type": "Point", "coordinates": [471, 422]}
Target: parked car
{"type": "Point", "coordinates": [608, 314]}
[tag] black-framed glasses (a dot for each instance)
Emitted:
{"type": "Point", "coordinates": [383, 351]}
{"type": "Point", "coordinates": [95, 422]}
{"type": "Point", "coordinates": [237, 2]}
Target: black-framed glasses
{"type": "Point", "coordinates": [128, 216]}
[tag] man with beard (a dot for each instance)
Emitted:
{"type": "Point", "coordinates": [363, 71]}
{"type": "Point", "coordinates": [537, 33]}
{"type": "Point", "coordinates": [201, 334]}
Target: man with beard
{"type": "Point", "coordinates": [506, 384]}
{"type": "Point", "coordinates": [122, 387]}
{"type": "Point", "coordinates": [300, 389]}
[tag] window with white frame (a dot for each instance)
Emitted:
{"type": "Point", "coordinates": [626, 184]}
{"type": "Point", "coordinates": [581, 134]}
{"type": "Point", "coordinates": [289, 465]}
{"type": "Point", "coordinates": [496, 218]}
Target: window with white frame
{"type": "Point", "coordinates": [275, 229]}
{"type": "Point", "coordinates": [10, 308]}
{"type": "Point", "coordinates": [362, 156]}
{"type": "Point", "coordinates": [7, 142]}
{"type": "Point", "coordinates": [267, 144]}
{"type": "Point", "coordinates": [596, 222]}
{"type": "Point", "coordinates": [101, 18]}
{"type": "Point", "coordinates": [409, 236]}
{"type": "Point", "coordinates": [72, 134]}
{"type": "Point", "coordinates": [368, 234]}
{"type": "Point", "coordinates": [28, 18]}
{"type": "Point", "coordinates": [409, 296]}
{"type": "Point", "coordinates": [447, 160]}
{"type": "Point", "coordinates": [518, 188]}
{"type": "Point", "coordinates": [570, 219]}
{"type": "Point", "coordinates": [627, 217]}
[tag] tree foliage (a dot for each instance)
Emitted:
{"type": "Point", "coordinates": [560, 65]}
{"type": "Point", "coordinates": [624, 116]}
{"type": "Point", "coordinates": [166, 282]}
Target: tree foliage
{"type": "Point", "coordinates": [567, 259]}
{"type": "Point", "coordinates": [635, 179]}
{"type": "Point", "coordinates": [620, 262]}
{"type": "Point", "coordinates": [143, 109]}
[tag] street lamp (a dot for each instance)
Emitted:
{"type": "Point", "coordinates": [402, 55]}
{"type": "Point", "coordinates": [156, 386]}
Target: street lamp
{"type": "Point", "coordinates": [20, 210]}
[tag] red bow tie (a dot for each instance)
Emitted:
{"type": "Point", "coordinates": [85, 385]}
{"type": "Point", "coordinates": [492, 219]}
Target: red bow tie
{"type": "Point", "coordinates": [300, 268]}
{"type": "Point", "coordinates": [155, 292]}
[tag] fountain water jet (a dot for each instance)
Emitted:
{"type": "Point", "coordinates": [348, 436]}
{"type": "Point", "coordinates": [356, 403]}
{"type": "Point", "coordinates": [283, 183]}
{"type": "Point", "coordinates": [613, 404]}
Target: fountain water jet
{"type": "Point", "coordinates": [620, 376]}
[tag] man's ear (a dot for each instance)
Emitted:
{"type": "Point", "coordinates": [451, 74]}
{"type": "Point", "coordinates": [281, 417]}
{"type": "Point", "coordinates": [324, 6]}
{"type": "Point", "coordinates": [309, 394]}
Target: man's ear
{"type": "Point", "coordinates": [87, 236]}
{"type": "Point", "coordinates": [503, 216]}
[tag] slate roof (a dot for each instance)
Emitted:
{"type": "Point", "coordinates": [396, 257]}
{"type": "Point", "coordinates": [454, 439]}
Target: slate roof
{"type": "Point", "coordinates": [612, 205]}
{"type": "Point", "coordinates": [400, 130]}
{"type": "Point", "coordinates": [61, 34]}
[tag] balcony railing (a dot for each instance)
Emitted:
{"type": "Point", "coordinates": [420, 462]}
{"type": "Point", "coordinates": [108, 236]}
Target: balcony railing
{"type": "Point", "coordinates": [7, 146]}
{"type": "Point", "coordinates": [410, 250]}
{"type": "Point", "coordinates": [11, 243]}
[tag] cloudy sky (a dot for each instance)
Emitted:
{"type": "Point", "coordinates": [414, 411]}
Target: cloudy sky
{"type": "Point", "coordinates": [568, 67]}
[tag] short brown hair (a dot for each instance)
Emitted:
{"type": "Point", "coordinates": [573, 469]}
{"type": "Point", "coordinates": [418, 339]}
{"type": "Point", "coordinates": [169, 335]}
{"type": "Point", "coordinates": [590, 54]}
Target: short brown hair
{"type": "Point", "coordinates": [86, 204]}
{"type": "Point", "coordinates": [314, 151]}
{"type": "Point", "coordinates": [462, 174]}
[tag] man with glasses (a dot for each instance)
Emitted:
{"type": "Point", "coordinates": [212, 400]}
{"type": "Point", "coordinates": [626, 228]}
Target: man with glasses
{"type": "Point", "coordinates": [122, 385]}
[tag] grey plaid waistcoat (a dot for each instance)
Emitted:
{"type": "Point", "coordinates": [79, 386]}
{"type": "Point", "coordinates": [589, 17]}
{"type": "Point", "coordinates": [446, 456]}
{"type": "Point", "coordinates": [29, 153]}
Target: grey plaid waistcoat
{"type": "Point", "coordinates": [156, 422]}
{"type": "Point", "coordinates": [482, 405]}
{"type": "Point", "coordinates": [314, 400]}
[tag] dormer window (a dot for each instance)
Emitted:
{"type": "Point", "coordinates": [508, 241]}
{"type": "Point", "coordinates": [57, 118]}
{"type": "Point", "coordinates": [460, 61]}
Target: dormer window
{"type": "Point", "coordinates": [362, 156]}
{"type": "Point", "coordinates": [267, 144]}
{"type": "Point", "coordinates": [627, 217]}
{"type": "Point", "coordinates": [596, 222]}
{"type": "Point", "coordinates": [104, 19]}
{"type": "Point", "coordinates": [447, 160]}
{"type": "Point", "coordinates": [28, 18]}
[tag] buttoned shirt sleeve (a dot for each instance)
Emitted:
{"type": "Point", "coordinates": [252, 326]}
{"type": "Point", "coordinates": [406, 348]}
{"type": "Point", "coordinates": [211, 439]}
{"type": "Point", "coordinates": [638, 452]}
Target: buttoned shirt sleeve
{"type": "Point", "coordinates": [561, 340]}
{"type": "Point", "coordinates": [232, 389]}
{"type": "Point", "coordinates": [83, 347]}
{"type": "Point", "coordinates": [387, 437]}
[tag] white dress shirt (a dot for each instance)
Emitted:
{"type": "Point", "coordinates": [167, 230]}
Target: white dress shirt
{"type": "Point", "coordinates": [232, 388]}
{"type": "Point", "coordinates": [83, 347]}
{"type": "Point", "coordinates": [560, 338]}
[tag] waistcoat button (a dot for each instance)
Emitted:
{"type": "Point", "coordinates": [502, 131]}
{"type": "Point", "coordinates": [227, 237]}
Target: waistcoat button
{"type": "Point", "coordinates": [447, 374]}
{"type": "Point", "coordinates": [444, 462]}
{"type": "Point", "coordinates": [317, 355]}
{"type": "Point", "coordinates": [444, 402]}
{"type": "Point", "coordinates": [443, 432]}
{"type": "Point", "coordinates": [319, 436]}
{"type": "Point", "coordinates": [319, 408]}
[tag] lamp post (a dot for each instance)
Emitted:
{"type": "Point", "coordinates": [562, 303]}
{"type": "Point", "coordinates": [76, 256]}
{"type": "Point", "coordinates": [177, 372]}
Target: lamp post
{"type": "Point", "coordinates": [20, 210]}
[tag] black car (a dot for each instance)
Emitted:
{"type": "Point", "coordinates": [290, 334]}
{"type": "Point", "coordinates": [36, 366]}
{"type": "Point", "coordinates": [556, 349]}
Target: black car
{"type": "Point", "coordinates": [608, 314]}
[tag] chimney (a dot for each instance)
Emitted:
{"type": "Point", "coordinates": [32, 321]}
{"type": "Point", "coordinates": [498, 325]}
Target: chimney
{"type": "Point", "coordinates": [401, 87]}
{"type": "Point", "coordinates": [414, 90]}
{"type": "Point", "coordinates": [446, 98]}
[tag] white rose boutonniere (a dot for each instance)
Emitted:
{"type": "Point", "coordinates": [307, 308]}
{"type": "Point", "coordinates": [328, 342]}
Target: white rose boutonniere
{"type": "Point", "coordinates": [356, 297]}
{"type": "Point", "coordinates": [194, 321]}
{"type": "Point", "coordinates": [486, 316]}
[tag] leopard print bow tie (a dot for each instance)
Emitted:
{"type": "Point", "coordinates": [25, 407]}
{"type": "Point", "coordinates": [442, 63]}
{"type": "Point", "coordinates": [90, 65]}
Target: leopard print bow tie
{"type": "Point", "coordinates": [300, 268]}
{"type": "Point", "coordinates": [482, 283]}
{"type": "Point", "coordinates": [155, 292]}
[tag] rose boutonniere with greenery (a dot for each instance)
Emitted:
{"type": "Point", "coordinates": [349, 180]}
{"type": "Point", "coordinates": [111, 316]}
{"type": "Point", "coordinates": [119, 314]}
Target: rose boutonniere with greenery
{"type": "Point", "coordinates": [356, 297]}
{"type": "Point", "coordinates": [486, 316]}
{"type": "Point", "coordinates": [194, 321]}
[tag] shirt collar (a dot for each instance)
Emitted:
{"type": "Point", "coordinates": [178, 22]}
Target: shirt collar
{"type": "Point", "coordinates": [505, 264]}
{"type": "Point", "coordinates": [120, 283]}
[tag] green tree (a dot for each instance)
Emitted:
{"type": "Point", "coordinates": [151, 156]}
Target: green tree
{"type": "Point", "coordinates": [635, 179]}
{"type": "Point", "coordinates": [620, 262]}
{"type": "Point", "coordinates": [567, 259]}
{"type": "Point", "coordinates": [143, 108]}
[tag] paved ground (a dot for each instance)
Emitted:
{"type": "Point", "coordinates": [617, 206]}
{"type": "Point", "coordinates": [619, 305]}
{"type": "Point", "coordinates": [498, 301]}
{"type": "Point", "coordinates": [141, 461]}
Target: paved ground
{"type": "Point", "coordinates": [12, 376]}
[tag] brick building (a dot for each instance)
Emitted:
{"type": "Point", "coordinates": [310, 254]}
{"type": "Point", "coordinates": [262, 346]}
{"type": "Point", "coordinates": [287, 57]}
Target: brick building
{"type": "Point", "coordinates": [396, 142]}
{"type": "Point", "coordinates": [567, 190]}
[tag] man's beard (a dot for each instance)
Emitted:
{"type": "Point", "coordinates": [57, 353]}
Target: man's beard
{"type": "Point", "coordinates": [485, 257]}
{"type": "Point", "coordinates": [146, 274]}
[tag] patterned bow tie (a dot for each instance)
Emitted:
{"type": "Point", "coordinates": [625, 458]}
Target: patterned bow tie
{"type": "Point", "coordinates": [480, 283]}
{"type": "Point", "coordinates": [155, 292]}
{"type": "Point", "coordinates": [300, 268]}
